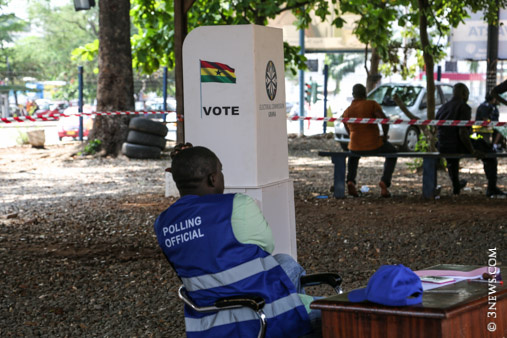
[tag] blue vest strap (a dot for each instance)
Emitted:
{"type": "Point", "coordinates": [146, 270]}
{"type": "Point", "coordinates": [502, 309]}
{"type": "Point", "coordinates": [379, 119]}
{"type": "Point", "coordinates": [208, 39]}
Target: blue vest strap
{"type": "Point", "coordinates": [225, 317]}
{"type": "Point", "coordinates": [231, 275]}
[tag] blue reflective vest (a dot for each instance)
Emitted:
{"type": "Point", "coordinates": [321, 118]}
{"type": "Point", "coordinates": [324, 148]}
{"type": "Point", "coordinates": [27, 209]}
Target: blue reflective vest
{"type": "Point", "coordinates": [196, 236]}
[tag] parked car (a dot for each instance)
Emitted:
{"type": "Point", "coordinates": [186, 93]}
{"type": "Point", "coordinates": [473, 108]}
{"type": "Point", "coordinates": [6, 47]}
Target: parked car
{"type": "Point", "coordinates": [157, 104]}
{"type": "Point", "coordinates": [69, 126]}
{"type": "Point", "coordinates": [413, 95]}
{"type": "Point", "coordinates": [51, 108]}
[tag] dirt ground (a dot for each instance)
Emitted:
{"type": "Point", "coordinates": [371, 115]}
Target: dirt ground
{"type": "Point", "coordinates": [79, 257]}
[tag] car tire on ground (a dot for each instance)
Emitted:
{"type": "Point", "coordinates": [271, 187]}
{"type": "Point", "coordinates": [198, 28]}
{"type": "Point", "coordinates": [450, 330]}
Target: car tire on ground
{"type": "Point", "coordinates": [148, 126]}
{"type": "Point", "coordinates": [139, 151]}
{"type": "Point", "coordinates": [145, 139]}
{"type": "Point", "coordinates": [345, 146]}
{"type": "Point", "coordinates": [411, 138]}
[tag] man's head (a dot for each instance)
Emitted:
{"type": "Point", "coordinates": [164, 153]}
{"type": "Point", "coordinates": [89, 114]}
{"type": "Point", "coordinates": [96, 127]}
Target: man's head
{"type": "Point", "coordinates": [491, 99]}
{"type": "Point", "coordinates": [359, 91]}
{"type": "Point", "coordinates": [460, 90]}
{"type": "Point", "coordinates": [197, 171]}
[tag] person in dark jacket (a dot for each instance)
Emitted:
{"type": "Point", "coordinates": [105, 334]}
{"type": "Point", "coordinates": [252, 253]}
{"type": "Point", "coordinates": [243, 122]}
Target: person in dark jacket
{"type": "Point", "coordinates": [457, 140]}
{"type": "Point", "coordinates": [501, 132]}
{"type": "Point", "coordinates": [488, 111]}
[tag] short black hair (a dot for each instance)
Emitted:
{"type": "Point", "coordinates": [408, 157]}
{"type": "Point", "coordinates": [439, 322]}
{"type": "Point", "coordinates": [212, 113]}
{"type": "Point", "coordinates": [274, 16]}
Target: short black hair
{"type": "Point", "coordinates": [359, 91]}
{"type": "Point", "coordinates": [190, 166]}
{"type": "Point", "coordinates": [460, 90]}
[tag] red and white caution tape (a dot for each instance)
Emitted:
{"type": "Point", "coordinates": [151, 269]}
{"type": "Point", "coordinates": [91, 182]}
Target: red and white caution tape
{"type": "Point", "coordinates": [26, 118]}
{"type": "Point", "coordinates": [452, 123]}
{"type": "Point", "coordinates": [107, 113]}
{"type": "Point", "coordinates": [53, 115]}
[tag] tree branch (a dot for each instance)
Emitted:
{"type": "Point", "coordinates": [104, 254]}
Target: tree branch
{"type": "Point", "coordinates": [187, 4]}
{"type": "Point", "coordinates": [403, 107]}
{"type": "Point", "coordinates": [94, 28]}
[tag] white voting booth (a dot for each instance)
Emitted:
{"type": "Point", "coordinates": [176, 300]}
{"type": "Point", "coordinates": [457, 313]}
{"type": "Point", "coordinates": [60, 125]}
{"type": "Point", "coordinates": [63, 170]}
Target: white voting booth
{"type": "Point", "coordinates": [234, 86]}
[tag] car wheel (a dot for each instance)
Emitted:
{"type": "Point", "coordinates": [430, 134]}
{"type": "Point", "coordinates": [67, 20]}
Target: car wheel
{"type": "Point", "coordinates": [345, 146]}
{"type": "Point", "coordinates": [145, 139]}
{"type": "Point", "coordinates": [148, 126]}
{"type": "Point", "coordinates": [139, 151]}
{"type": "Point", "coordinates": [411, 139]}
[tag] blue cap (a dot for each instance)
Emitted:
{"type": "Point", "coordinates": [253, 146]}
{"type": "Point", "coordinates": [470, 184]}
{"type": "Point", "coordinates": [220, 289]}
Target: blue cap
{"type": "Point", "coordinates": [393, 285]}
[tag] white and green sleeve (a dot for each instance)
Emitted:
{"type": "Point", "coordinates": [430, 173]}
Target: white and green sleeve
{"type": "Point", "coordinates": [249, 225]}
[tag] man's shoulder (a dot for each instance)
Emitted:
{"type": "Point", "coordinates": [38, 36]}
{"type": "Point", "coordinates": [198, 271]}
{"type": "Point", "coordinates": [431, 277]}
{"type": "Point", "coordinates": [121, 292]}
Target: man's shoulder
{"type": "Point", "coordinates": [242, 197]}
{"type": "Point", "coordinates": [361, 106]}
{"type": "Point", "coordinates": [366, 102]}
{"type": "Point", "coordinates": [371, 105]}
{"type": "Point", "coordinates": [454, 104]}
{"type": "Point", "coordinates": [183, 201]}
{"type": "Point", "coordinates": [243, 200]}
{"type": "Point", "coordinates": [445, 108]}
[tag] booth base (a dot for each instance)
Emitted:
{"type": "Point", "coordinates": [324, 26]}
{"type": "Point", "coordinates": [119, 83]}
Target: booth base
{"type": "Point", "coordinates": [276, 200]}
{"type": "Point", "coordinates": [170, 186]}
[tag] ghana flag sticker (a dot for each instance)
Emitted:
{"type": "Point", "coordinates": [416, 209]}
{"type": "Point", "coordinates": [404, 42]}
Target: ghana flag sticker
{"type": "Point", "coordinates": [217, 72]}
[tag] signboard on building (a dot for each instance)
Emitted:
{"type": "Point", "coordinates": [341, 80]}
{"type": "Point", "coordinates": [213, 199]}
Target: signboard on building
{"type": "Point", "coordinates": [469, 41]}
{"type": "Point", "coordinates": [320, 36]}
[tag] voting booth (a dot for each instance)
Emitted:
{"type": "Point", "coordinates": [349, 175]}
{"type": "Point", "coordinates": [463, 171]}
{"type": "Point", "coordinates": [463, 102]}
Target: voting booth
{"type": "Point", "coordinates": [234, 86]}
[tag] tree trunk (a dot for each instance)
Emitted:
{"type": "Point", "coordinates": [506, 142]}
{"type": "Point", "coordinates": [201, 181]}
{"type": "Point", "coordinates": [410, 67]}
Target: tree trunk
{"type": "Point", "coordinates": [492, 57]}
{"type": "Point", "coordinates": [180, 31]}
{"type": "Point", "coordinates": [115, 89]}
{"type": "Point", "coordinates": [373, 74]}
{"type": "Point", "coordinates": [428, 57]}
{"type": "Point", "coordinates": [181, 8]}
{"type": "Point", "coordinates": [424, 7]}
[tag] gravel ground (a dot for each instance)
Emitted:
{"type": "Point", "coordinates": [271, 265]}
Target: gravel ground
{"type": "Point", "coordinates": [79, 258]}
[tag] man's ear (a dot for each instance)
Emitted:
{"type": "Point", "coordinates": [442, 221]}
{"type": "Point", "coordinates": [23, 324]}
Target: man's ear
{"type": "Point", "coordinates": [212, 180]}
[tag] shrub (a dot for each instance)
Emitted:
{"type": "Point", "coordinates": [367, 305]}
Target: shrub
{"type": "Point", "coordinates": [92, 147]}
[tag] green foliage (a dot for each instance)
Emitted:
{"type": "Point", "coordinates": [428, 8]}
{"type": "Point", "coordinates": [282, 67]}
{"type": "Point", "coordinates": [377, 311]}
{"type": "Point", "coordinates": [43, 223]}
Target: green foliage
{"type": "Point", "coordinates": [22, 138]}
{"type": "Point", "coordinates": [378, 17]}
{"type": "Point", "coordinates": [422, 146]}
{"type": "Point", "coordinates": [293, 59]}
{"type": "Point", "coordinates": [47, 54]}
{"type": "Point", "coordinates": [10, 24]}
{"type": "Point", "coordinates": [87, 52]}
{"type": "Point", "coordinates": [91, 148]}
{"type": "Point", "coordinates": [153, 44]}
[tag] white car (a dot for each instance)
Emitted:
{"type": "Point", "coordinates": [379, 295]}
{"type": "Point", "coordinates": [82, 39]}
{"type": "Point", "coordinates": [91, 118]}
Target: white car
{"type": "Point", "coordinates": [413, 95]}
{"type": "Point", "coordinates": [158, 104]}
{"type": "Point", "coordinates": [69, 126]}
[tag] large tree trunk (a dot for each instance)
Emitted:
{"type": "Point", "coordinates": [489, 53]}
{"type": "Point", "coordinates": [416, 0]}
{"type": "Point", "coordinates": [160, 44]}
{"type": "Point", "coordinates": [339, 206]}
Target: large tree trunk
{"type": "Point", "coordinates": [424, 7]}
{"type": "Point", "coordinates": [115, 89]}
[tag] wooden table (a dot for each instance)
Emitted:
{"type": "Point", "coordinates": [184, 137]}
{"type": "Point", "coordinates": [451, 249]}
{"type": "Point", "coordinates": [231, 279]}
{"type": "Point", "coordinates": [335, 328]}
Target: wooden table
{"type": "Point", "coordinates": [455, 310]}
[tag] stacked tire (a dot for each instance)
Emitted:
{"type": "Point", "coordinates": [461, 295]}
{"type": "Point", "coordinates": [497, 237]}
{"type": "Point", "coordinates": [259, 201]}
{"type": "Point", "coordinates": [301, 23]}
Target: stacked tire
{"type": "Point", "coordinates": [146, 138]}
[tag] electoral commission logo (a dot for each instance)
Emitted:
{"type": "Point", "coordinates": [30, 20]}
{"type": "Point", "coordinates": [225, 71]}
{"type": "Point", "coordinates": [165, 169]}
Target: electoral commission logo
{"type": "Point", "coordinates": [271, 80]}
